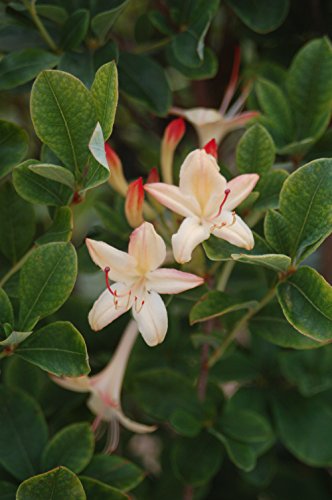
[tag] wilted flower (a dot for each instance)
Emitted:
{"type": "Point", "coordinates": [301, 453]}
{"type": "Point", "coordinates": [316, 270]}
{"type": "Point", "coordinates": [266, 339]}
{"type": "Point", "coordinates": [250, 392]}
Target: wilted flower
{"type": "Point", "coordinates": [207, 202]}
{"type": "Point", "coordinates": [212, 123]}
{"type": "Point", "coordinates": [105, 390]}
{"type": "Point", "coordinates": [138, 283]}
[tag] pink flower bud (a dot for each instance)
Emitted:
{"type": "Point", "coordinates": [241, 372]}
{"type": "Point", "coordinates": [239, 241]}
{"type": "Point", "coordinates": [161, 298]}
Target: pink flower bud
{"type": "Point", "coordinates": [134, 203]}
{"type": "Point", "coordinates": [153, 176]}
{"type": "Point", "coordinates": [174, 132]}
{"type": "Point", "coordinates": [116, 179]}
{"type": "Point", "coordinates": [212, 148]}
{"type": "Point", "coordinates": [172, 136]}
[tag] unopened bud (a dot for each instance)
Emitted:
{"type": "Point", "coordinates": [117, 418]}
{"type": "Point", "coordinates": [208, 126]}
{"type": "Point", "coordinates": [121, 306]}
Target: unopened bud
{"type": "Point", "coordinates": [172, 136]}
{"type": "Point", "coordinates": [153, 176]}
{"type": "Point", "coordinates": [134, 203]}
{"type": "Point", "coordinates": [117, 179]}
{"type": "Point", "coordinates": [212, 148]}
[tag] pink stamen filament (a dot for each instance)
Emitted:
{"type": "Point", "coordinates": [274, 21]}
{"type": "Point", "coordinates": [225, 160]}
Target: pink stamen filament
{"type": "Point", "coordinates": [106, 271]}
{"type": "Point", "coordinates": [227, 192]}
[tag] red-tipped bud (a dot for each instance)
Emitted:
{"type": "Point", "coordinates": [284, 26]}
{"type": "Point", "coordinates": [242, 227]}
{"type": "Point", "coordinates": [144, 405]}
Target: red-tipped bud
{"type": "Point", "coordinates": [212, 148]}
{"type": "Point", "coordinates": [175, 131]}
{"type": "Point", "coordinates": [153, 176]}
{"type": "Point", "coordinates": [134, 203]}
{"type": "Point", "coordinates": [116, 179]}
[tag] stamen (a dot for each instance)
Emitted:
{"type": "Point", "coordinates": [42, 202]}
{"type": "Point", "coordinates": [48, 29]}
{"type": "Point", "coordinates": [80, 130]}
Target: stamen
{"type": "Point", "coordinates": [138, 309]}
{"type": "Point", "coordinates": [106, 271]}
{"type": "Point", "coordinates": [233, 220]}
{"type": "Point", "coordinates": [227, 192]}
{"type": "Point", "coordinates": [113, 436]}
{"type": "Point", "coordinates": [217, 226]}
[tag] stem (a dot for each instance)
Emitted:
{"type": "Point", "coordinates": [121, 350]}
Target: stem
{"type": "Point", "coordinates": [204, 371]}
{"type": "Point", "coordinates": [16, 267]}
{"type": "Point", "coordinates": [225, 274]}
{"type": "Point", "coordinates": [31, 8]}
{"type": "Point", "coordinates": [239, 325]}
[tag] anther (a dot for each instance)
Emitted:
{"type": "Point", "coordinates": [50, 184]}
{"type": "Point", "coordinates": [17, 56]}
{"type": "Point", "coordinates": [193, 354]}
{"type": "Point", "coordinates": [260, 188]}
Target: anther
{"type": "Point", "coordinates": [227, 192]}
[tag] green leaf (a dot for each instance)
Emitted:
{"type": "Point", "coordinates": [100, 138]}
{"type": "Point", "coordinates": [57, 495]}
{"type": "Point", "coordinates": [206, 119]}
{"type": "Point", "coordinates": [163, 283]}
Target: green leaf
{"type": "Point", "coordinates": [95, 175]}
{"type": "Point", "coordinates": [245, 426]}
{"type": "Point", "coordinates": [17, 68]}
{"type": "Point", "coordinates": [255, 151]}
{"type": "Point", "coordinates": [24, 376]}
{"type": "Point", "coordinates": [15, 338]}
{"type": "Point", "coordinates": [7, 490]}
{"type": "Point", "coordinates": [277, 232]}
{"type": "Point", "coordinates": [46, 281]}
{"type": "Point", "coordinates": [97, 147]}
{"type": "Point", "coordinates": [306, 301]}
{"type": "Point", "coordinates": [218, 249]}
{"type": "Point", "coordinates": [306, 208]}
{"type": "Point", "coordinates": [61, 228]}
{"type": "Point", "coordinates": [103, 21]}
{"type": "Point", "coordinates": [64, 116]}
{"type": "Point", "coordinates": [75, 29]}
{"type": "Point", "coordinates": [56, 484]}
{"type": "Point", "coordinates": [272, 325]}
{"type": "Point", "coordinates": [17, 223]}
{"type": "Point", "coordinates": [37, 189]}
{"type": "Point", "coordinates": [13, 146]}
{"type": "Point", "coordinates": [57, 348]}
{"type": "Point", "coordinates": [241, 454]}
{"type": "Point", "coordinates": [97, 490]}
{"type": "Point", "coordinates": [6, 309]}
{"type": "Point", "coordinates": [72, 447]}
{"type": "Point", "coordinates": [23, 433]}
{"type": "Point", "coordinates": [269, 187]}
{"type": "Point", "coordinates": [54, 173]}
{"type": "Point", "coordinates": [309, 88]}
{"type": "Point", "coordinates": [259, 15]}
{"type": "Point", "coordinates": [310, 371]}
{"type": "Point", "coordinates": [185, 423]}
{"type": "Point", "coordinates": [276, 262]}
{"type": "Point", "coordinates": [115, 471]}
{"type": "Point", "coordinates": [304, 426]}
{"type": "Point", "coordinates": [52, 12]}
{"type": "Point", "coordinates": [214, 304]}
{"type": "Point", "coordinates": [105, 93]}
{"type": "Point", "coordinates": [144, 80]}
{"type": "Point", "coordinates": [195, 461]}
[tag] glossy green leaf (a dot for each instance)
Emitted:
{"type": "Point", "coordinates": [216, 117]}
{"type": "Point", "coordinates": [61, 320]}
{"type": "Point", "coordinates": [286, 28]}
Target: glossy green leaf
{"type": "Point", "coordinates": [115, 471]}
{"type": "Point", "coordinates": [103, 21]}
{"type": "Point", "coordinates": [218, 249]}
{"type": "Point", "coordinates": [215, 304]}
{"type": "Point", "coordinates": [37, 189]}
{"type": "Point", "coordinates": [15, 338]}
{"type": "Point", "coordinates": [276, 262]}
{"type": "Point", "coordinates": [97, 490]}
{"type": "Point", "coordinates": [245, 426]}
{"type": "Point", "coordinates": [304, 426]}
{"type": "Point", "coordinates": [184, 423]}
{"type": "Point", "coordinates": [13, 146]}
{"type": "Point", "coordinates": [64, 116]}
{"type": "Point", "coordinates": [207, 69]}
{"type": "Point", "coordinates": [72, 447]}
{"type": "Point", "coordinates": [75, 29]}
{"type": "Point", "coordinates": [56, 484]}
{"type": "Point", "coordinates": [306, 301]}
{"type": "Point", "coordinates": [105, 93]}
{"type": "Point", "coordinates": [54, 173]}
{"type": "Point", "coordinates": [272, 325]}
{"type": "Point", "coordinates": [6, 309]}
{"type": "Point", "coordinates": [46, 281]}
{"type": "Point", "coordinates": [195, 461]}
{"type": "Point", "coordinates": [277, 232]}
{"type": "Point", "coordinates": [17, 68]}
{"type": "Point", "coordinates": [52, 12]}
{"type": "Point", "coordinates": [23, 433]}
{"type": "Point", "coordinates": [144, 80]}
{"type": "Point", "coordinates": [269, 187]}
{"type": "Point", "coordinates": [23, 375]}
{"type": "Point", "coordinates": [309, 88]}
{"type": "Point", "coordinates": [61, 228]}
{"type": "Point", "coordinates": [241, 454]}
{"type": "Point", "coordinates": [17, 223]}
{"type": "Point", "coordinates": [94, 175]}
{"type": "Point", "coordinates": [259, 15]}
{"type": "Point", "coordinates": [58, 348]}
{"type": "Point", "coordinates": [255, 151]}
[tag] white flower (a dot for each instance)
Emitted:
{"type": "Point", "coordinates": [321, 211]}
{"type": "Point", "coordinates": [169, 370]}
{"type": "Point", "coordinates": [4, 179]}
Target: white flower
{"type": "Point", "coordinates": [138, 283]}
{"type": "Point", "coordinates": [207, 201]}
{"type": "Point", "coordinates": [105, 389]}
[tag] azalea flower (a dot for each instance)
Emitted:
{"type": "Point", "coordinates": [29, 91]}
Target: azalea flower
{"type": "Point", "coordinates": [138, 283]}
{"type": "Point", "coordinates": [105, 390]}
{"type": "Point", "coordinates": [215, 124]}
{"type": "Point", "coordinates": [207, 201]}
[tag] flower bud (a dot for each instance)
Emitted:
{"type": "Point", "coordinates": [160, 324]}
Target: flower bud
{"type": "Point", "coordinates": [134, 203]}
{"type": "Point", "coordinates": [172, 136]}
{"type": "Point", "coordinates": [211, 148]}
{"type": "Point", "coordinates": [116, 179]}
{"type": "Point", "coordinates": [153, 176]}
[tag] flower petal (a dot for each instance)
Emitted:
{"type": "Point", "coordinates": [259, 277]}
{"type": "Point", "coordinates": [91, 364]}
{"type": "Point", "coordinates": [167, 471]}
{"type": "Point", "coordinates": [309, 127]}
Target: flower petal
{"type": "Point", "coordinates": [104, 310]}
{"type": "Point", "coordinates": [241, 186]}
{"type": "Point", "coordinates": [238, 234]}
{"type": "Point", "coordinates": [152, 319]}
{"type": "Point", "coordinates": [173, 198]}
{"type": "Point", "coordinates": [190, 234]}
{"type": "Point", "coordinates": [134, 426]}
{"type": "Point", "coordinates": [172, 281]}
{"type": "Point", "coordinates": [147, 247]}
{"type": "Point", "coordinates": [121, 264]}
{"type": "Point", "coordinates": [76, 384]}
{"type": "Point", "coordinates": [200, 178]}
